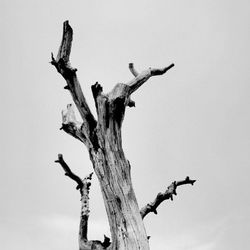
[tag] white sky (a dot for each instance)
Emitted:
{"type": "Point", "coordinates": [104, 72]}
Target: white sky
{"type": "Point", "coordinates": [192, 121]}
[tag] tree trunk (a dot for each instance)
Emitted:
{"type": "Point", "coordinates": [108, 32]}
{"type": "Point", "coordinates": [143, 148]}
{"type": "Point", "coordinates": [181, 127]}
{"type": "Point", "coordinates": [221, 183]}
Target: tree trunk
{"type": "Point", "coordinates": [102, 137]}
{"type": "Point", "coordinates": [113, 172]}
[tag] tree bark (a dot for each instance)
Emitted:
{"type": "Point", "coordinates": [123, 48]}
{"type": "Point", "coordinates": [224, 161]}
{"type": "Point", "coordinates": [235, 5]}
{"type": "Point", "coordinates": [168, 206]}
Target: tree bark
{"type": "Point", "coordinates": [113, 171]}
{"type": "Point", "coordinates": [102, 137]}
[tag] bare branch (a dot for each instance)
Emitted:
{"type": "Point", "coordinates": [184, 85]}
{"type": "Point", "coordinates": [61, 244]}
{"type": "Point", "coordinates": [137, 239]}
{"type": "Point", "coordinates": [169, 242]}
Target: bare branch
{"type": "Point", "coordinates": [132, 69]}
{"type": "Point", "coordinates": [69, 173]}
{"type": "Point", "coordinates": [121, 93]}
{"type": "Point", "coordinates": [62, 65]}
{"type": "Point", "coordinates": [168, 194]}
{"type": "Point", "coordinates": [144, 76]}
{"type": "Point", "coordinates": [157, 72]}
{"type": "Point", "coordinates": [83, 186]}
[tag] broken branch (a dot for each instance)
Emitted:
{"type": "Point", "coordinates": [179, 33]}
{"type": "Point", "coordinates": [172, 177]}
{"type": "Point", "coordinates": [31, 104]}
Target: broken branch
{"type": "Point", "coordinates": [71, 126]}
{"type": "Point", "coordinates": [62, 65]}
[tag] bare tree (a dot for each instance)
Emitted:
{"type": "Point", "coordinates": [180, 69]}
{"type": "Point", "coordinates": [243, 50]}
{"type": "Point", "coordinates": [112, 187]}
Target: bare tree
{"type": "Point", "coordinates": [102, 137]}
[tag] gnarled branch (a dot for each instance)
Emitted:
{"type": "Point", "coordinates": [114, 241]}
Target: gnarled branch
{"type": "Point", "coordinates": [168, 194]}
{"type": "Point", "coordinates": [83, 185]}
{"type": "Point", "coordinates": [63, 66]}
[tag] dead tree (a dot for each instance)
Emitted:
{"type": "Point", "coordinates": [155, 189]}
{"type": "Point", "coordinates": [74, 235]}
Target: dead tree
{"type": "Point", "coordinates": [102, 137]}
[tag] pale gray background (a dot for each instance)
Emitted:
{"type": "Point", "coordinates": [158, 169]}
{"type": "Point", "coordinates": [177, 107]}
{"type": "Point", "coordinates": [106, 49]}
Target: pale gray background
{"type": "Point", "coordinates": [192, 121]}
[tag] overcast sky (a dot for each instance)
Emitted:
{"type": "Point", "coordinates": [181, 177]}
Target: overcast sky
{"type": "Point", "coordinates": [194, 120]}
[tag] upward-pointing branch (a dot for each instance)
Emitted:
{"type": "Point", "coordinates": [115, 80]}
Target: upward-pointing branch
{"type": "Point", "coordinates": [83, 186]}
{"type": "Point", "coordinates": [71, 175]}
{"type": "Point", "coordinates": [141, 78]}
{"type": "Point", "coordinates": [63, 66]}
{"type": "Point", "coordinates": [124, 90]}
{"type": "Point", "coordinates": [65, 47]}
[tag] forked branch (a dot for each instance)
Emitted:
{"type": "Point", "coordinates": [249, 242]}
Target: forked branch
{"type": "Point", "coordinates": [83, 185]}
{"type": "Point", "coordinates": [144, 76]}
{"type": "Point", "coordinates": [123, 91]}
{"type": "Point", "coordinates": [168, 194]}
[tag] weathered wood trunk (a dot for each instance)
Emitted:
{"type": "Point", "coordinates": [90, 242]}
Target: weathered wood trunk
{"type": "Point", "coordinates": [113, 171]}
{"type": "Point", "coordinates": [126, 225]}
{"type": "Point", "coordinates": [102, 137]}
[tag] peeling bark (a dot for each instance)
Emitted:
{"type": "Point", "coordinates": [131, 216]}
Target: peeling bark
{"type": "Point", "coordinates": [103, 140]}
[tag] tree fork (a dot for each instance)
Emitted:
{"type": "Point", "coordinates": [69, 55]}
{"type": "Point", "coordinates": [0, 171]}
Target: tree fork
{"type": "Point", "coordinates": [83, 185]}
{"type": "Point", "coordinates": [103, 140]}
